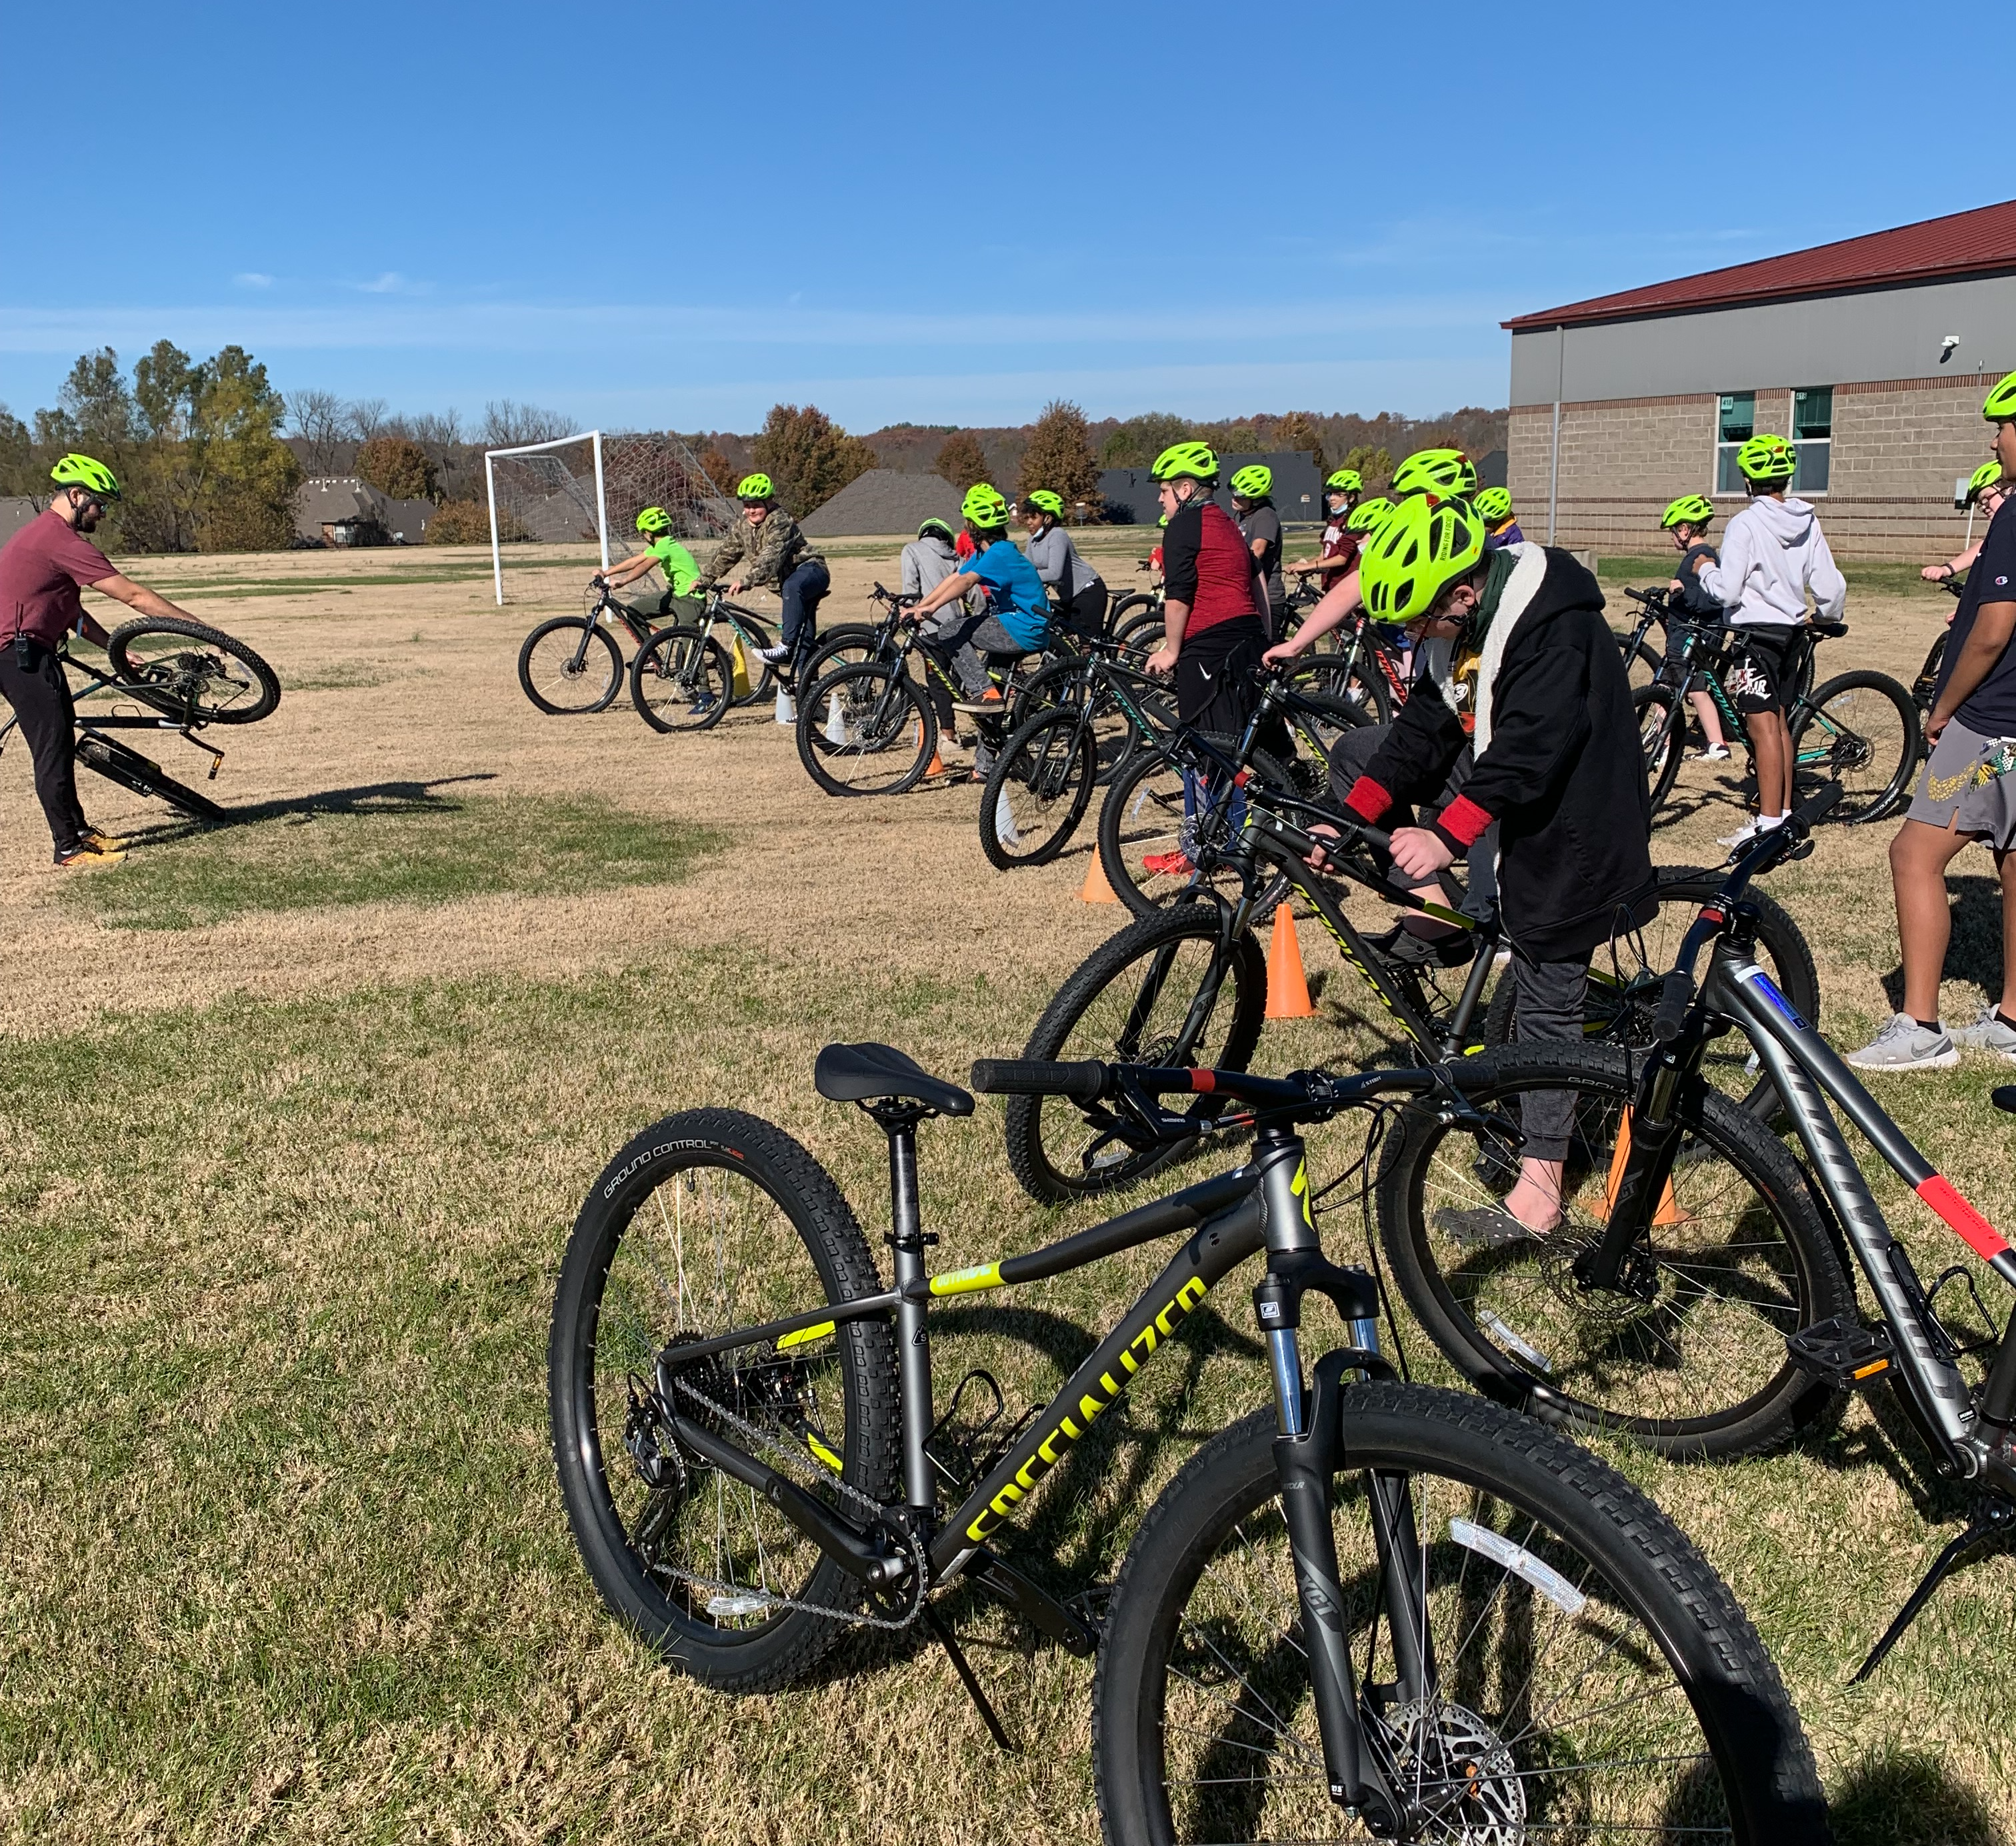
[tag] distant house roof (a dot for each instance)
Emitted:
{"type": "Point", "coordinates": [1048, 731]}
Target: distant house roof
{"type": "Point", "coordinates": [884, 500]}
{"type": "Point", "coordinates": [343, 499]}
{"type": "Point", "coordinates": [1980, 242]}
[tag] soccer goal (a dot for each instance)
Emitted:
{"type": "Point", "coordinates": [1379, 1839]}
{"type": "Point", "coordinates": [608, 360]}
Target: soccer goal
{"type": "Point", "coordinates": [588, 489]}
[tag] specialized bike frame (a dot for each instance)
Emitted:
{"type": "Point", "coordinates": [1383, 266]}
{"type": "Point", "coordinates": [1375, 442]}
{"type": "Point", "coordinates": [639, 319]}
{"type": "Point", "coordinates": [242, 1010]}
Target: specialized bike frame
{"type": "Point", "coordinates": [1264, 1205]}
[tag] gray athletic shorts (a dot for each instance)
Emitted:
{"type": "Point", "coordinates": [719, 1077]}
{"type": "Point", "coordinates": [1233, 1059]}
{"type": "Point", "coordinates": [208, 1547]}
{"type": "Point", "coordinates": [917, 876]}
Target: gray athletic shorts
{"type": "Point", "coordinates": [1969, 786]}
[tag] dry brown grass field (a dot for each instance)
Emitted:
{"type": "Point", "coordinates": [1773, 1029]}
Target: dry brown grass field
{"type": "Point", "coordinates": [295, 1116]}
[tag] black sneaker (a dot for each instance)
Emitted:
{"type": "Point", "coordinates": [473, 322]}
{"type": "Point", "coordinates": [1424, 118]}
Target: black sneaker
{"type": "Point", "coordinates": [1402, 948]}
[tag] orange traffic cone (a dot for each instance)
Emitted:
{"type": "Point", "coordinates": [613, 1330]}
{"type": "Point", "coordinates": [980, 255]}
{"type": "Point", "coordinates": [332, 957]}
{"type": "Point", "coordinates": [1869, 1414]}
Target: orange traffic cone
{"type": "Point", "coordinates": [1096, 890]}
{"type": "Point", "coordinates": [1669, 1210]}
{"type": "Point", "coordinates": [1288, 986]}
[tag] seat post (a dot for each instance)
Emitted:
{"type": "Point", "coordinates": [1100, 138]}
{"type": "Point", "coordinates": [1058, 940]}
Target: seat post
{"type": "Point", "coordinates": [907, 1239]}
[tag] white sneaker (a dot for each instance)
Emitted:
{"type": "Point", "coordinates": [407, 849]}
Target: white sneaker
{"type": "Point", "coordinates": [1904, 1044]}
{"type": "Point", "coordinates": [1742, 836]}
{"type": "Point", "coordinates": [1711, 753]}
{"type": "Point", "coordinates": [1988, 1034]}
{"type": "Point", "coordinates": [773, 656]}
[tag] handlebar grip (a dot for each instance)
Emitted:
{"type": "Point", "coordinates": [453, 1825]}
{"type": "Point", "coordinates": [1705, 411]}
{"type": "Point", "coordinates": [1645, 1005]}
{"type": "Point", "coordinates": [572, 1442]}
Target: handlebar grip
{"type": "Point", "coordinates": [1817, 809]}
{"type": "Point", "coordinates": [1676, 994]}
{"type": "Point", "coordinates": [1083, 1081]}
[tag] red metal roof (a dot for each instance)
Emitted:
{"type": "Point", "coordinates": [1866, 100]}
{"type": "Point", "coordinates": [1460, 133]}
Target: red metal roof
{"type": "Point", "coordinates": [1964, 243]}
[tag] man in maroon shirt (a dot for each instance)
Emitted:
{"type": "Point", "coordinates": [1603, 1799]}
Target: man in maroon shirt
{"type": "Point", "coordinates": [42, 569]}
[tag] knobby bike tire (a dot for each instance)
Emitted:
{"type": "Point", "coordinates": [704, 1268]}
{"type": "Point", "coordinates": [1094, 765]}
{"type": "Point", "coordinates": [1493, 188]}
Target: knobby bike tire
{"type": "Point", "coordinates": [851, 644]}
{"type": "Point", "coordinates": [1201, 1666]}
{"type": "Point", "coordinates": [595, 693]}
{"type": "Point", "coordinates": [615, 1309]}
{"type": "Point", "coordinates": [682, 680]}
{"type": "Point", "coordinates": [1357, 685]}
{"type": "Point", "coordinates": [194, 683]}
{"type": "Point", "coordinates": [1130, 1002]}
{"type": "Point", "coordinates": [1873, 759]}
{"type": "Point", "coordinates": [872, 723]}
{"type": "Point", "coordinates": [121, 763]}
{"type": "Point", "coordinates": [1696, 1368]}
{"type": "Point", "coordinates": [1037, 790]}
{"type": "Point", "coordinates": [1662, 739]}
{"type": "Point", "coordinates": [1136, 819]}
{"type": "Point", "coordinates": [1624, 986]}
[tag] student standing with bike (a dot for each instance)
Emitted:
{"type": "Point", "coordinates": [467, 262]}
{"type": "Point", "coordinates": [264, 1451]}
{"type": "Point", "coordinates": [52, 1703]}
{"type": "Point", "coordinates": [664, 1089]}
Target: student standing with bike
{"type": "Point", "coordinates": [1967, 792]}
{"type": "Point", "coordinates": [42, 569]}
{"type": "Point", "coordinates": [771, 550]}
{"type": "Point", "coordinates": [1986, 490]}
{"type": "Point", "coordinates": [1685, 521]}
{"type": "Point", "coordinates": [1772, 555]}
{"type": "Point", "coordinates": [1339, 555]}
{"type": "Point", "coordinates": [1260, 525]}
{"type": "Point", "coordinates": [1556, 770]}
{"type": "Point", "coordinates": [1081, 591]}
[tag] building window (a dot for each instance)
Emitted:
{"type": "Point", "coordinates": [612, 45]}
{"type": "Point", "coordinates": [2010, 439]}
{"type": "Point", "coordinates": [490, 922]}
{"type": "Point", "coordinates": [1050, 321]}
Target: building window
{"type": "Point", "coordinates": [1736, 422]}
{"type": "Point", "coordinates": [1813, 435]}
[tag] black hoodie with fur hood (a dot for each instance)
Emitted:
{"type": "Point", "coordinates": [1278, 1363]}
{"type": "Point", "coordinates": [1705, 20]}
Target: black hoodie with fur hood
{"type": "Point", "coordinates": [1558, 761]}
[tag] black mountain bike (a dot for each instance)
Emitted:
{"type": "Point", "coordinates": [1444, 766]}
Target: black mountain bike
{"type": "Point", "coordinates": [1859, 730]}
{"type": "Point", "coordinates": [189, 677]}
{"type": "Point", "coordinates": [687, 678]}
{"type": "Point", "coordinates": [1374, 1603]}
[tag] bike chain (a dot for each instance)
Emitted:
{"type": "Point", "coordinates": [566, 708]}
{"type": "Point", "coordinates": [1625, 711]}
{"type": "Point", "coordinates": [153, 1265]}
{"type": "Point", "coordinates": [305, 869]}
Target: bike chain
{"type": "Point", "coordinates": [919, 1567]}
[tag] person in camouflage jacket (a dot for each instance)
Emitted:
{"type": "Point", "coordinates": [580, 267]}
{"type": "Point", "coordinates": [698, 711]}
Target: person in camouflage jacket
{"type": "Point", "coordinates": [771, 550]}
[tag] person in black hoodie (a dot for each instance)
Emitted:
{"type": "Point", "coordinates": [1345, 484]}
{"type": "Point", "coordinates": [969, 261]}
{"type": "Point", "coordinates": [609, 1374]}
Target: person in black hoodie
{"type": "Point", "coordinates": [1556, 770]}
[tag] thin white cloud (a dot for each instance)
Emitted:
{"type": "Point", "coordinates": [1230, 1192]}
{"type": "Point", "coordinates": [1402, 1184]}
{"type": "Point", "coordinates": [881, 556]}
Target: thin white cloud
{"type": "Point", "coordinates": [252, 279]}
{"type": "Point", "coordinates": [389, 282]}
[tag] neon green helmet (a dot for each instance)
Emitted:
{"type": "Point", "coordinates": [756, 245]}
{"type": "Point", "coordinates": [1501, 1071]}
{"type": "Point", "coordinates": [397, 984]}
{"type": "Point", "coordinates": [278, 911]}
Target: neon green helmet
{"type": "Point", "coordinates": [1493, 504]}
{"type": "Point", "coordinates": [1416, 554]}
{"type": "Point", "coordinates": [935, 528]}
{"type": "Point", "coordinates": [1186, 461]}
{"type": "Point", "coordinates": [1988, 475]}
{"type": "Point", "coordinates": [1346, 480]}
{"type": "Point", "coordinates": [983, 508]}
{"type": "Point", "coordinates": [1044, 500]}
{"type": "Point", "coordinates": [753, 487]}
{"type": "Point", "coordinates": [1368, 515]}
{"type": "Point", "coordinates": [1689, 509]}
{"type": "Point", "coordinates": [654, 519]}
{"type": "Point", "coordinates": [1438, 471]}
{"type": "Point", "coordinates": [1770, 458]}
{"type": "Point", "coordinates": [81, 471]}
{"type": "Point", "coordinates": [1253, 483]}
{"type": "Point", "coordinates": [2000, 406]}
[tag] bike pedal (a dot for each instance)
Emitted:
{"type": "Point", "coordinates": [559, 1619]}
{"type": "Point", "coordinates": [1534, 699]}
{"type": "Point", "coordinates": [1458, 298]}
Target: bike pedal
{"type": "Point", "coordinates": [1842, 1352]}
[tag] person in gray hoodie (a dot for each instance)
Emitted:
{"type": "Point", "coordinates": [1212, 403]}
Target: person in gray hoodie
{"type": "Point", "coordinates": [1080, 591]}
{"type": "Point", "coordinates": [1772, 555]}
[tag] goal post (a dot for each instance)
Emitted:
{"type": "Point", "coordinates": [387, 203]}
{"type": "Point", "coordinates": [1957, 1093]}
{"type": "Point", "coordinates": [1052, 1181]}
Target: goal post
{"type": "Point", "coordinates": [588, 489]}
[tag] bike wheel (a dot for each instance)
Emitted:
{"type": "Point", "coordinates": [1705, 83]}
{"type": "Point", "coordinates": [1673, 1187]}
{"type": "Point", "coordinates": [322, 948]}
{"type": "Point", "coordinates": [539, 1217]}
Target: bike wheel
{"type": "Point", "coordinates": [1625, 977]}
{"type": "Point", "coordinates": [866, 730]}
{"type": "Point", "coordinates": [1150, 820]}
{"type": "Point", "coordinates": [1162, 991]}
{"type": "Point", "coordinates": [1861, 730]}
{"type": "Point", "coordinates": [707, 1221]}
{"type": "Point", "coordinates": [763, 676]}
{"type": "Point", "coordinates": [564, 675]}
{"type": "Point", "coordinates": [197, 674]}
{"type": "Point", "coordinates": [1641, 663]}
{"type": "Point", "coordinates": [1068, 684]}
{"type": "Point", "coordinates": [1662, 737]}
{"type": "Point", "coordinates": [1037, 790]}
{"type": "Point", "coordinates": [1142, 630]}
{"type": "Point", "coordinates": [118, 762]}
{"type": "Point", "coordinates": [681, 680]}
{"type": "Point", "coordinates": [1687, 1355]}
{"type": "Point", "coordinates": [1362, 688]}
{"type": "Point", "coordinates": [852, 644]}
{"type": "Point", "coordinates": [1578, 1670]}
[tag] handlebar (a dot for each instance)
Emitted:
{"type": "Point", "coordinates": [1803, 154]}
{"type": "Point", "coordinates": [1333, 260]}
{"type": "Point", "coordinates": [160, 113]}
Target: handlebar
{"type": "Point", "coordinates": [1676, 993]}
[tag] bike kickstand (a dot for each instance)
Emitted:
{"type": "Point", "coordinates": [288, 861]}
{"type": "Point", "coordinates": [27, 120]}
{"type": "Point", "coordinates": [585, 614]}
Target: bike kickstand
{"type": "Point", "coordinates": [969, 1679]}
{"type": "Point", "coordinates": [1990, 1522]}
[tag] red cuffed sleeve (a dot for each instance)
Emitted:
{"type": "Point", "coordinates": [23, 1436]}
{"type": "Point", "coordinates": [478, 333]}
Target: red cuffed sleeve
{"type": "Point", "coordinates": [1461, 822]}
{"type": "Point", "coordinates": [1367, 800]}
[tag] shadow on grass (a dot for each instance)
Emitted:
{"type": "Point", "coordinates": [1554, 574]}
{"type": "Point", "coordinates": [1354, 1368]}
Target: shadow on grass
{"type": "Point", "coordinates": [1974, 953]}
{"type": "Point", "coordinates": [370, 797]}
{"type": "Point", "coordinates": [1896, 1796]}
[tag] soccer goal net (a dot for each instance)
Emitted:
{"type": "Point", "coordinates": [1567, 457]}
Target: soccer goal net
{"type": "Point", "coordinates": [588, 490]}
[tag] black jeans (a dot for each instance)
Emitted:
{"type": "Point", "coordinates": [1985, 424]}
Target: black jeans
{"type": "Point", "coordinates": [1547, 1009]}
{"type": "Point", "coordinates": [40, 695]}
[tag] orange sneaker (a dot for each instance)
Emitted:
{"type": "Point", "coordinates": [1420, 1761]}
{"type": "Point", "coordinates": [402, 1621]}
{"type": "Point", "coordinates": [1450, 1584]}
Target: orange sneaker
{"type": "Point", "coordinates": [1168, 865]}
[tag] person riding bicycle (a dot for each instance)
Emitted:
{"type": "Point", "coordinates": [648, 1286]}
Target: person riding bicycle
{"type": "Point", "coordinates": [1773, 553]}
{"type": "Point", "coordinates": [1501, 523]}
{"type": "Point", "coordinates": [42, 569]}
{"type": "Point", "coordinates": [661, 551]}
{"type": "Point", "coordinates": [1260, 525]}
{"type": "Point", "coordinates": [771, 550]}
{"type": "Point", "coordinates": [1986, 490]}
{"type": "Point", "coordinates": [1016, 620]}
{"type": "Point", "coordinates": [1344, 598]}
{"type": "Point", "coordinates": [1339, 555]}
{"type": "Point", "coordinates": [1556, 770]}
{"type": "Point", "coordinates": [1685, 521]}
{"type": "Point", "coordinates": [1967, 792]}
{"type": "Point", "coordinates": [1080, 591]}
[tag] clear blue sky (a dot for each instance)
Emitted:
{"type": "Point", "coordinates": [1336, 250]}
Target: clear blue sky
{"type": "Point", "coordinates": [666, 215]}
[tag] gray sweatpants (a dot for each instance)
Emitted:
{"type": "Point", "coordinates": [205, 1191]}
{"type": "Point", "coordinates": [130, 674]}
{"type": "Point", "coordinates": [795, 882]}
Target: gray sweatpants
{"type": "Point", "coordinates": [1546, 1009]}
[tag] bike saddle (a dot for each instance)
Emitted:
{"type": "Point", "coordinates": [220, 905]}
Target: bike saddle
{"type": "Point", "coordinates": [869, 1073]}
{"type": "Point", "coordinates": [1833, 630]}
